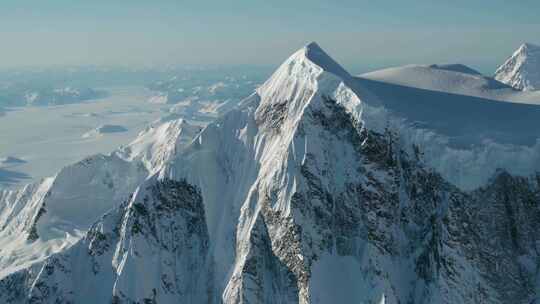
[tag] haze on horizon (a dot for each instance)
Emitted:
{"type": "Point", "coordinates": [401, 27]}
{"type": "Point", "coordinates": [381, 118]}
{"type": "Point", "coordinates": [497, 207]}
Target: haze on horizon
{"type": "Point", "coordinates": [359, 34]}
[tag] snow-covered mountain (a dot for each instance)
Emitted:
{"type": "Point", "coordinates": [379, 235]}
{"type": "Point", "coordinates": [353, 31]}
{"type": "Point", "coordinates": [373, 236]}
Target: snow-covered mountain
{"type": "Point", "coordinates": [48, 216]}
{"type": "Point", "coordinates": [522, 69]}
{"type": "Point", "coordinates": [453, 79]}
{"type": "Point", "coordinates": [311, 191]}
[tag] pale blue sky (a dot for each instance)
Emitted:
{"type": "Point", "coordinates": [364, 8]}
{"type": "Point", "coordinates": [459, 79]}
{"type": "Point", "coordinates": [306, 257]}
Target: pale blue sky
{"type": "Point", "coordinates": [360, 34]}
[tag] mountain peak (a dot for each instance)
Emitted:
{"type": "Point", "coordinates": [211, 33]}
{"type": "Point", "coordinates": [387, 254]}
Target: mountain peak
{"type": "Point", "coordinates": [302, 69]}
{"type": "Point", "coordinates": [318, 56]}
{"type": "Point", "coordinates": [529, 46]}
{"type": "Point", "coordinates": [522, 69]}
{"type": "Point", "coordinates": [302, 80]}
{"type": "Point", "coordinates": [313, 46]}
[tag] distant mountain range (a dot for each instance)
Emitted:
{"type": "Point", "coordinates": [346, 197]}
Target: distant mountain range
{"type": "Point", "coordinates": [17, 95]}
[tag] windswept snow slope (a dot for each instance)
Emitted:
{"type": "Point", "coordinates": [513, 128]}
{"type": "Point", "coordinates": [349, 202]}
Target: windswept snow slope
{"type": "Point", "coordinates": [309, 192]}
{"type": "Point", "coordinates": [466, 120]}
{"type": "Point", "coordinates": [453, 79]}
{"type": "Point", "coordinates": [42, 218]}
{"type": "Point", "coordinates": [466, 127]}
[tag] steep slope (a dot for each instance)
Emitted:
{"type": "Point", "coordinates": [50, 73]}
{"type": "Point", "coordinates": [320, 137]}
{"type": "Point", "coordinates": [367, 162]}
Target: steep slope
{"type": "Point", "coordinates": [159, 234]}
{"type": "Point", "coordinates": [505, 218]}
{"type": "Point", "coordinates": [158, 143]}
{"type": "Point", "coordinates": [48, 216]}
{"type": "Point", "coordinates": [465, 138]}
{"type": "Point", "coordinates": [465, 120]}
{"type": "Point", "coordinates": [522, 69]}
{"type": "Point", "coordinates": [304, 194]}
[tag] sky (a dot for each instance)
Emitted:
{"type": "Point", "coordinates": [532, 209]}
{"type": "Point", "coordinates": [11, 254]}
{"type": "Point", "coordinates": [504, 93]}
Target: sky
{"type": "Point", "coordinates": [361, 34]}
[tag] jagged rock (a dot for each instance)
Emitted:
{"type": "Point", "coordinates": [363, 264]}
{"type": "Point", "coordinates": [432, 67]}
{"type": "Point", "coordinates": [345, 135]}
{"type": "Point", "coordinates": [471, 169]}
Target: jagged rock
{"type": "Point", "coordinates": [159, 237]}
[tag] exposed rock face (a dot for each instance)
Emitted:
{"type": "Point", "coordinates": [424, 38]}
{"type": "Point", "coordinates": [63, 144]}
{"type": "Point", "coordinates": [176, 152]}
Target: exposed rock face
{"type": "Point", "coordinates": [292, 199]}
{"type": "Point", "coordinates": [506, 224]}
{"type": "Point", "coordinates": [159, 237]}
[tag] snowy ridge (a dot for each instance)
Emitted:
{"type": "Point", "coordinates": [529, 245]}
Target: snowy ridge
{"type": "Point", "coordinates": [19, 210]}
{"type": "Point", "coordinates": [453, 79]}
{"type": "Point", "coordinates": [158, 143]}
{"type": "Point", "coordinates": [307, 193]}
{"type": "Point", "coordinates": [456, 67]}
{"type": "Point", "coordinates": [48, 216]}
{"type": "Point", "coordinates": [161, 220]}
{"type": "Point", "coordinates": [57, 212]}
{"type": "Point", "coordinates": [522, 69]}
{"type": "Point", "coordinates": [233, 157]}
